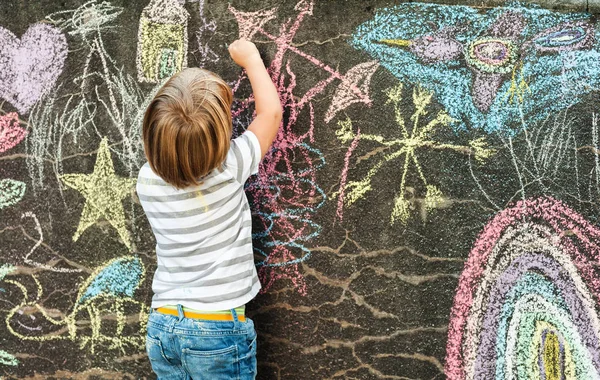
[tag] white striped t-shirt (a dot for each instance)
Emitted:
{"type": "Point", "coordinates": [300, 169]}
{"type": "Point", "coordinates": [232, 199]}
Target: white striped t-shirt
{"type": "Point", "coordinates": [203, 234]}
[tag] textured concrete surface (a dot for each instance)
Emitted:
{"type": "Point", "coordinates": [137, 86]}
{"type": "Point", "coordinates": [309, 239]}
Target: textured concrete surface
{"type": "Point", "coordinates": [380, 189]}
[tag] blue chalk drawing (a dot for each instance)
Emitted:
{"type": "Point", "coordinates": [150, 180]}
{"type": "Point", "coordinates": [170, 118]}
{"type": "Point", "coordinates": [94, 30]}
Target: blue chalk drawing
{"type": "Point", "coordinates": [119, 278]}
{"type": "Point", "coordinates": [489, 70]}
{"type": "Point", "coordinates": [108, 290]}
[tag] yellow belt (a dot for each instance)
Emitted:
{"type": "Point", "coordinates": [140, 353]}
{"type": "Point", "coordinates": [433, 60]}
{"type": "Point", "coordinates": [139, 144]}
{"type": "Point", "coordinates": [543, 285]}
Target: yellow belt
{"type": "Point", "coordinates": [205, 316]}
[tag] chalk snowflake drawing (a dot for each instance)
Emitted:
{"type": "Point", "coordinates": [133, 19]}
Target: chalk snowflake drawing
{"type": "Point", "coordinates": [109, 290]}
{"type": "Point", "coordinates": [162, 40]}
{"type": "Point", "coordinates": [285, 195]}
{"type": "Point", "coordinates": [526, 305]}
{"type": "Point", "coordinates": [412, 139]}
{"type": "Point", "coordinates": [488, 69]}
{"type": "Point", "coordinates": [30, 66]}
{"type": "Point", "coordinates": [108, 102]}
{"type": "Point", "coordinates": [103, 191]}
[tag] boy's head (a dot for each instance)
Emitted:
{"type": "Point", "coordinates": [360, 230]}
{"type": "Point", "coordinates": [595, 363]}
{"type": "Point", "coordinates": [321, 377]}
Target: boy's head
{"type": "Point", "coordinates": [187, 127]}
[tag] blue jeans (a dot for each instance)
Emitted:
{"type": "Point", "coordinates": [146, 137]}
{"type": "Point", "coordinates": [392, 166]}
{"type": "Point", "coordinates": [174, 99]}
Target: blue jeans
{"type": "Point", "coordinates": [184, 348]}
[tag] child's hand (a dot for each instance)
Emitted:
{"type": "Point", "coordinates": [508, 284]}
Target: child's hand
{"type": "Point", "coordinates": [244, 53]}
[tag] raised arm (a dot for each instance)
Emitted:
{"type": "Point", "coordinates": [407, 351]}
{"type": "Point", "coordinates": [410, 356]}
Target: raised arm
{"type": "Point", "coordinates": [266, 100]}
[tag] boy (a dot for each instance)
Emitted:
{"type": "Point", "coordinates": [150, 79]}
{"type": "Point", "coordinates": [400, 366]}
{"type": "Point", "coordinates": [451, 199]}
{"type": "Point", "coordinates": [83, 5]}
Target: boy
{"type": "Point", "coordinates": [191, 190]}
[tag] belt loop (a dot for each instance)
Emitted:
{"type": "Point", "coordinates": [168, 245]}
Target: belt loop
{"type": "Point", "coordinates": [180, 312]}
{"type": "Point", "coordinates": [236, 321]}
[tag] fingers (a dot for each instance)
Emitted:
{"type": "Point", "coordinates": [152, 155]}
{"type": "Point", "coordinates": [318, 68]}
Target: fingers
{"type": "Point", "coordinates": [243, 51]}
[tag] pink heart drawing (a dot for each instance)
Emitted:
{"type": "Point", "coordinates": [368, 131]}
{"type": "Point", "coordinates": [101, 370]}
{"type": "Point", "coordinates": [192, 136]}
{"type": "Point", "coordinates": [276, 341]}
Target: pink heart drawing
{"type": "Point", "coordinates": [29, 67]}
{"type": "Point", "coordinates": [10, 132]}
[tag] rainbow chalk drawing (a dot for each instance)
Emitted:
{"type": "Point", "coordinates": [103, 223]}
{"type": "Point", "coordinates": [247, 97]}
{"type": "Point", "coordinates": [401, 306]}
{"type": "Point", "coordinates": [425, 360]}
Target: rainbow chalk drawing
{"type": "Point", "coordinates": [108, 291]}
{"type": "Point", "coordinates": [410, 140]}
{"type": "Point", "coordinates": [526, 306]}
{"type": "Point", "coordinates": [285, 195]}
{"type": "Point", "coordinates": [162, 40]}
{"type": "Point", "coordinates": [521, 60]}
{"type": "Point", "coordinates": [11, 133]}
{"type": "Point", "coordinates": [103, 191]}
{"type": "Point", "coordinates": [30, 66]}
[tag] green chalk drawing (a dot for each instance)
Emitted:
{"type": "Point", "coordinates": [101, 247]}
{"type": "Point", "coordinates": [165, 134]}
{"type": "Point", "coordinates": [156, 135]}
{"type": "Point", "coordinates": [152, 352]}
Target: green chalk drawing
{"type": "Point", "coordinates": [5, 357]}
{"type": "Point", "coordinates": [11, 192]}
{"type": "Point", "coordinates": [162, 40]}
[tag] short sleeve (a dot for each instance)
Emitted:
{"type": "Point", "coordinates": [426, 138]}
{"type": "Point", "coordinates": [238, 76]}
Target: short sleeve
{"type": "Point", "coordinates": [243, 156]}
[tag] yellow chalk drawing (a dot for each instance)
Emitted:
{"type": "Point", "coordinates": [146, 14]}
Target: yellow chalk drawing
{"type": "Point", "coordinates": [418, 137]}
{"type": "Point", "coordinates": [548, 355]}
{"type": "Point", "coordinates": [518, 85]}
{"type": "Point", "coordinates": [107, 293]}
{"type": "Point", "coordinates": [162, 40]}
{"type": "Point", "coordinates": [5, 357]}
{"type": "Point", "coordinates": [103, 191]}
{"type": "Point", "coordinates": [481, 150]}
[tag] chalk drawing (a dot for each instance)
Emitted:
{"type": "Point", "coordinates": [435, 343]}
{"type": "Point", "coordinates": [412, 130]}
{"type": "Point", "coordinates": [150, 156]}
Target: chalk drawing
{"type": "Point", "coordinates": [5, 357]}
{"type": "Point", "coordinates": [519, 58]}
{"type": "Point", "coordinates": [417, 137]}
{"type": "Point", "coordinates": [345, 134]}
{"type": "Point", "coordinates": [345, 94]}
{"type": "Point", "coordinates": [4, 270]}
{"type": "Point", "coordinates": [11, 133]}
{"type": "Point", "coordinates": [103, 191]}
{"type": "Point", "coordinates": [30, 66]}
{"type": "Point", "coordinates": [109, 101]}
{"type": "Point", "coordinates": [8, 359]}
{"type": "Point", "coordinates": [38, 243]}
{"type": "Point", "coordinates": [162, 40]}
{"type": "Point", "coordinates": [108, 291]}
{"type": "Point", "coordinates": [285, 195]}
{"type": "Point", "coordinates": [526, 303]}
{"type": "Point", "coordinates": [205, 31]}
{"type": "Point", "coordinates": [354, 86]}
{"type": "Point", "coordinates": [545, 157]}
{"type": "Point", "coordinates": [249, 23]}
{"type": "Point", "coordinates": [11, 192]}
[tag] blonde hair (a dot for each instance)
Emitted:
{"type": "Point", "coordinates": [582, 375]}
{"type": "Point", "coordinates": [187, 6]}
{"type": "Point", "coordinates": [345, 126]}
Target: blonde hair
{"type": "Point", "coordinates": [187, 127]}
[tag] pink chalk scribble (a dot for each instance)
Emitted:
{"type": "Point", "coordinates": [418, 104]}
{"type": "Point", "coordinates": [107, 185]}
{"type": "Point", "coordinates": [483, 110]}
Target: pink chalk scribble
{"type": "Point", "coordinates": [11, 132]}
{"type": "Point", "coordinates": [30, 66]}
{"type": "Point", "coordinates": [285, 194]}
{"type": "Point", "coordinates": [358, 77]}
{"type": "Point", "coordinates": [250, 22]}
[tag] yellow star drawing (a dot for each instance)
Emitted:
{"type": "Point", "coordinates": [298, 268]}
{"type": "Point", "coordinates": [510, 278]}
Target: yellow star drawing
{"type": "Point", "coordinates": [103, 191]}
